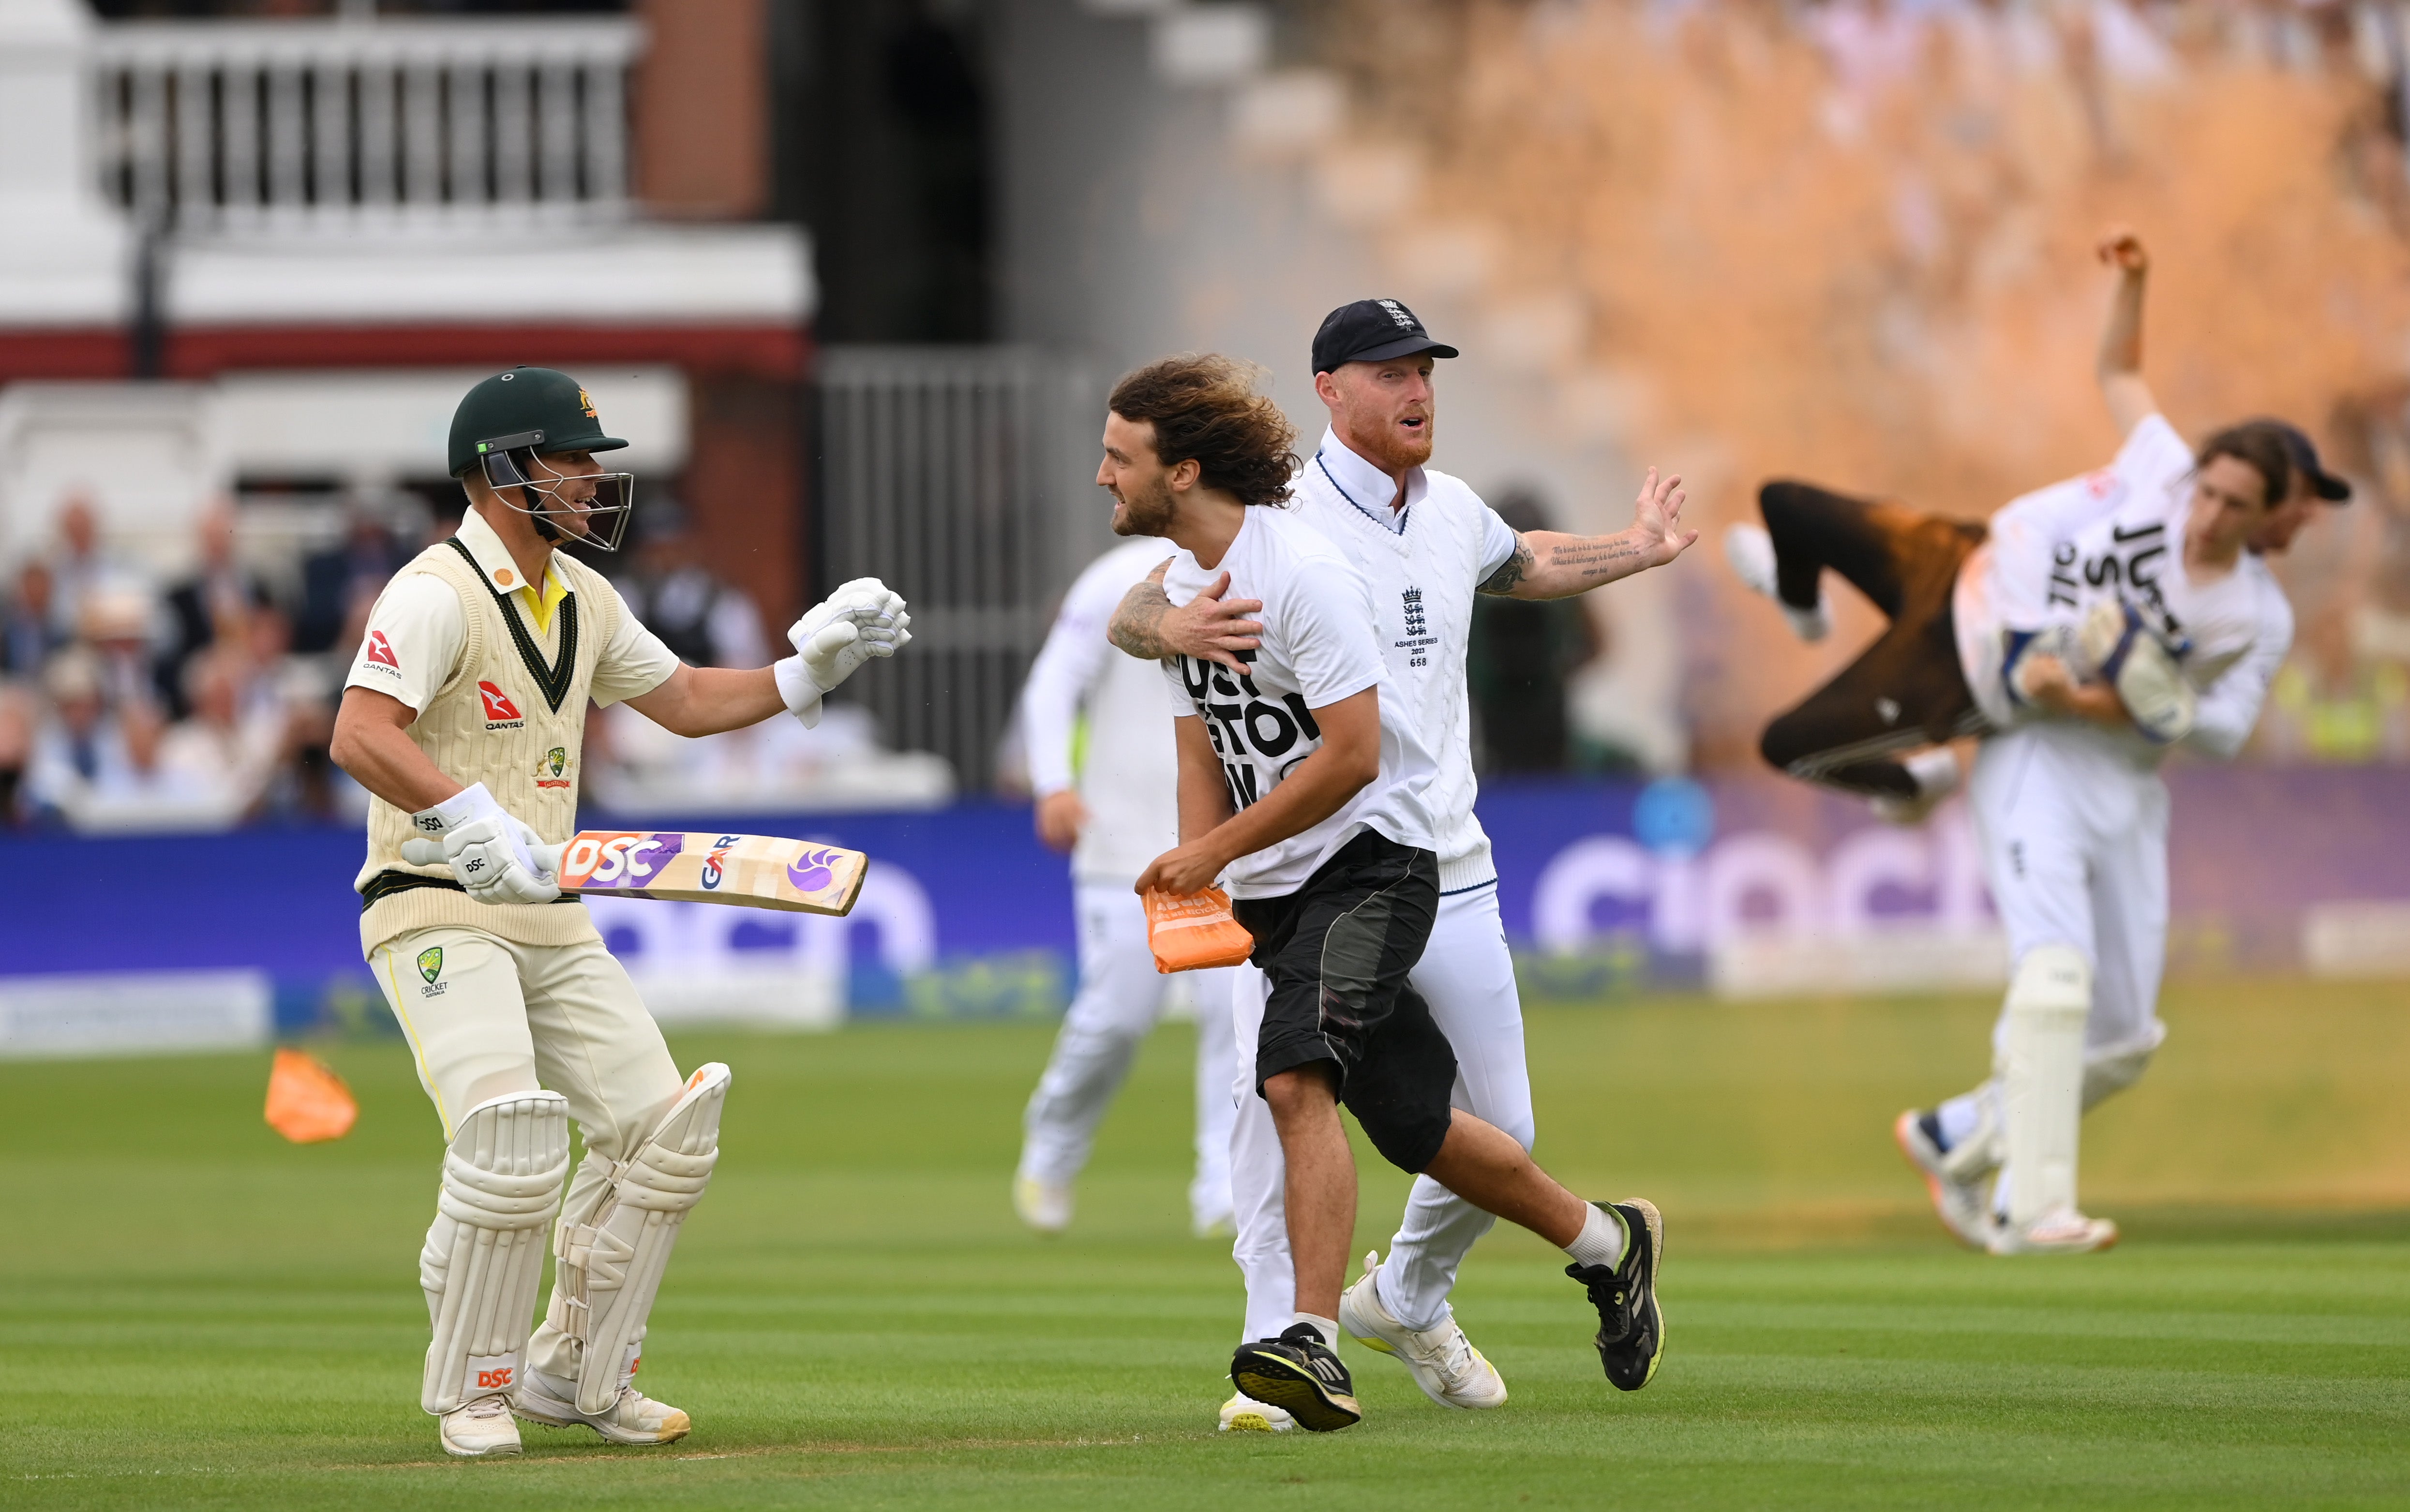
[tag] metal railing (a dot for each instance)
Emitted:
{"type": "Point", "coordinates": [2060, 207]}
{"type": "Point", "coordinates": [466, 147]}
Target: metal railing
{"type": "Point", "coordinates": [959, 476]}
{"type": "Point", "coordinates": [362, 126]}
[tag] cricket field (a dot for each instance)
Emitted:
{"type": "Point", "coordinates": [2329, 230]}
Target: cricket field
{"type": "Point", "coordinates": [196, 1314]}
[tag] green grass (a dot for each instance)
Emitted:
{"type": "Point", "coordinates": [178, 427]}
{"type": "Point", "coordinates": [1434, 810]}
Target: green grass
{"type": "Point", "coordinates": [196, 1314]}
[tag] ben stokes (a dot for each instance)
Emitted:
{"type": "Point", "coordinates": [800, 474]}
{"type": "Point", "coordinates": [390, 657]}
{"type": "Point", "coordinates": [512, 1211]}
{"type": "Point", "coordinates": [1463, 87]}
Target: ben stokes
{"type": "Point", "coordinates": [1426, 546]}
{"type": "Point", "coordinates": [462, 718]}
{"type": "Point", "coordinates": [1304, 785]}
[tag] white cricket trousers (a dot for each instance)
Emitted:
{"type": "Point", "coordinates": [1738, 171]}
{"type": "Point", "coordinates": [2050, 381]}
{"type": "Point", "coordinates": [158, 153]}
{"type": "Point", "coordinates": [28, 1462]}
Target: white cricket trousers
{"type": "Point", "coordinates": [2074, 837]}
{"type": "Point", "coordinates": [1467, 978]}
{"type": "Point", "coordinates": [487, 1016]}
{"type": "Point", "coordinates": [1119, 998]}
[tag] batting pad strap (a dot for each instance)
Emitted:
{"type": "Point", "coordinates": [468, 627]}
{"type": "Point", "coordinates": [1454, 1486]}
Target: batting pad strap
{"type": "Point", "coordinates": [484, 1255]}
{"type": "Point", "coordinates": [610, 1268]}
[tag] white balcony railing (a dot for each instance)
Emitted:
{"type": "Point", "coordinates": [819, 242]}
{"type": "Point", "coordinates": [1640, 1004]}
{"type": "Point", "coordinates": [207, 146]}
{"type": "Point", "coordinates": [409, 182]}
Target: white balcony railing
{"type": "Point", "coordinates": [365, 126]}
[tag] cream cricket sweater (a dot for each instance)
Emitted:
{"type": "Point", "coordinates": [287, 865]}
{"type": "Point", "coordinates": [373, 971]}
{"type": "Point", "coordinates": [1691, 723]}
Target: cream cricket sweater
{"type": "Point", "coordinates": [512, 715]}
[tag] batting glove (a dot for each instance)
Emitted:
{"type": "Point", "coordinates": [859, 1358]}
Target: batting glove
{"type": "Point", "coordinates": [496, 857]}
{"type": "Point", "coordinates": [2147, 671]}
{"type": "Point", "coordinates": [862, 619]}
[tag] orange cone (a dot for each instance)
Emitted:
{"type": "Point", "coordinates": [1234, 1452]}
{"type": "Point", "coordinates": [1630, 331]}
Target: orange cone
{"type": "Point", "coordinates": [306, 1101]}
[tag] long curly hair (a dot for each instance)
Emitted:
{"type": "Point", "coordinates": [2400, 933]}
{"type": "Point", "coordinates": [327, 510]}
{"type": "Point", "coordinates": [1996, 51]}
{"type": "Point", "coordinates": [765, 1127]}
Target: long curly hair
{"type": "Point", "coordinates": [1207, 408]}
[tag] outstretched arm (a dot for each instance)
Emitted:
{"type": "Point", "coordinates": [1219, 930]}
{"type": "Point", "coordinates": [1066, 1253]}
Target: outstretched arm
{"type": "Point", "coordinates": [706, 700]}
{"type": "Point", "coordinates": [2120, 363]}
{"type": "Point", "coordinates": [1549, 563]}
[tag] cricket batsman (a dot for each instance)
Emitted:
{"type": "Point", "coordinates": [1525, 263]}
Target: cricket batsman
{"type": "Point", "coordinates": [2096, 625]}
{"type": "Point", "coordinates": [462, 716]}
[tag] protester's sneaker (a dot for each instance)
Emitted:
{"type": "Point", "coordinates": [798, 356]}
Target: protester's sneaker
{"type": "Point", "coordinates": [1964, 1207]}
{"type": "Point", "coordinates": [1443, 1362]}
{"type": "Point", "coordinates": [633, 1419]}
{"type": "Point", "coordinates": [2064, 1232]}
{"type": "Point", "coordinates": [1243, 1414]}
{"type": "Point", "coordinates": [1299, 1374]}
{"type": "Point", "coordinates": [1044, 1205]}
{"type": "Point", "coordinates": [1631, 1326]}
{"type": "Point", "coordinates": [479, 1430]}
{"type": "Point", "coordinates": [1750, 552]}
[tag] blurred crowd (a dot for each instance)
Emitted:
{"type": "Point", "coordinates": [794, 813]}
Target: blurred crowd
{"type": "Point", "coordinates": [132, 700]}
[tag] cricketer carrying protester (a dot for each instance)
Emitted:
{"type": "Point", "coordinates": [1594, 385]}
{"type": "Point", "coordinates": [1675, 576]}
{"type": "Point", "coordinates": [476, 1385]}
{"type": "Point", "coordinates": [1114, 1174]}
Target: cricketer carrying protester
{"type": "Point", "coordinates": [462, 716]}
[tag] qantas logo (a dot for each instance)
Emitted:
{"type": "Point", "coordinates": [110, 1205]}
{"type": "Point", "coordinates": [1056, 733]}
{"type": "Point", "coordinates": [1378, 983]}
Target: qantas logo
{"type": "Point", "coordinates": [380, 652]}
{"type": "Point", "coordinates": [500, 712]}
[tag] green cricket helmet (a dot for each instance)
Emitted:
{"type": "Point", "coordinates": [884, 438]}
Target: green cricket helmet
{"type": "Point", "coordinates": [508, 423]}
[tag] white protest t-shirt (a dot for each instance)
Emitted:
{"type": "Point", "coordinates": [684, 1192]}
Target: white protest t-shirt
{"type": "Point", "coordinates": [1422, 564]}
{"type": "Point", "coordinates": [2118, 535]}
{"type": "Point", "coordinates": [1317, 647]}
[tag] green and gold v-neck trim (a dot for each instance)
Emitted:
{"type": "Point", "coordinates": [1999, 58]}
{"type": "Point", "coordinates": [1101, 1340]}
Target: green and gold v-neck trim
{"type": "Point", "coordinates": [552, 680]}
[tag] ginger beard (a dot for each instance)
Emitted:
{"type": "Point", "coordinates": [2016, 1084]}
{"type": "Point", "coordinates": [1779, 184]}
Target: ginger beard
{"type": "Point", "coordinates": [1393, 429]}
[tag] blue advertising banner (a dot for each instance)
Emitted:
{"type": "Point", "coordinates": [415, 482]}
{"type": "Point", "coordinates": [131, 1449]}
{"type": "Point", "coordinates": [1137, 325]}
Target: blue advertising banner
{"type": "Point", "coordinates": [1752, 886]}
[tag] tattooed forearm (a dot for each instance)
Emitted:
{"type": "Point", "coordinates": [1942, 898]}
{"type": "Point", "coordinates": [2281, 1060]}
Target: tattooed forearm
{"type": "Point", "coordinates": [1596, 558]}
{"type": "Point", "coordinates": [1137, 625]}
{"type": "Point", "coordinates": [1510, 572]}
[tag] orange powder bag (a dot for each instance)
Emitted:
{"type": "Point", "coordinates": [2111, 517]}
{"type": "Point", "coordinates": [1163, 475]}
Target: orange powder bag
{"type": "Point", "coordinates": [306, 1101]}
{"type": "Point", "coordinates": [1190, 933]}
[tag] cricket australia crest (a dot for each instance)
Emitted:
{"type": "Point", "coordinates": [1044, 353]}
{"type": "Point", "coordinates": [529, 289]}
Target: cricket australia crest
{"type": "Point", "coordinates": [430, 966]}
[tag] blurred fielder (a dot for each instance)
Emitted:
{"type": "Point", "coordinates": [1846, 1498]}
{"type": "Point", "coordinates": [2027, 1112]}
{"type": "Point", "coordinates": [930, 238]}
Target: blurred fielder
{"type": "Point", "coordinates": [1427, 544]}
{"type": "Point", "coordinates": [2098, 624]}
{"type": "Point", "coordinates": [462, 715]}
{"type": "Point", "coordinates": [1113, 810]}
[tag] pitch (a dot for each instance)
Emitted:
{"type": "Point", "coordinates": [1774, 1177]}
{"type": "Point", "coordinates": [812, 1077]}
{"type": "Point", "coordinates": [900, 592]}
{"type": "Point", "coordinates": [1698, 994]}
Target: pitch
{"type": "Point", "coordinates": [196, 1314]}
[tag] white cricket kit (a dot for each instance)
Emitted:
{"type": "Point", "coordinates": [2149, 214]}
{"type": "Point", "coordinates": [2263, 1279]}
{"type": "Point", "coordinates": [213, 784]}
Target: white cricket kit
{"type": "Point", "coordinates": [1421, 564]}
{"type": "Point", "coordinates": [1127, 778]}
{"type": "Point", "coordinates": [499, 1000]}
{"type": "Point", "coordinates": [1317, 648]}
{"type": "Point", "coordinates": [2073, 816]}
{"type": "Point", "coordinates": [2118, 534]}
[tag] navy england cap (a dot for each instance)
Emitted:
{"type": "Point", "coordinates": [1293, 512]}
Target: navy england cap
{"type": "Point", "coordinates": [1371, 330]}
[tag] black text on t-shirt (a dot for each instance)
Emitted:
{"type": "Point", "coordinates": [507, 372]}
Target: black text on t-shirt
{"type": "Point", "coordinates": [1258, 738]}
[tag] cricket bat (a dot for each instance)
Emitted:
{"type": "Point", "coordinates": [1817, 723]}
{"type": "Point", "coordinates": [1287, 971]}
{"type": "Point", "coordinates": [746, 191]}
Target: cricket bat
{"type": "Point", "coordinates": [795, 877]}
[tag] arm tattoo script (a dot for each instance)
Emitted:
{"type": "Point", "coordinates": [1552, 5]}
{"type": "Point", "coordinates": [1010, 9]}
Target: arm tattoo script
{"type": "Point", "coordinates": [1136, 625]}
{"type": "Point", "coordinates": [1592, 558]}
{"type": "Point", "coordinates": [1510, 572]}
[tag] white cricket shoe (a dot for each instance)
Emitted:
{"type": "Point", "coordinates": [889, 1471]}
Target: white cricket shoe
{"type": "Point", "coordinates": [1750, 552]}
{"type": "Point", "coordinates": [1044, 1205]}
{"type": "Point", "coordinates": [1963, 1205]}
{"type": "Point", "coordinates": [480, 1430]}
{"type": "Point", "coordinates": [633, 1418]}
{"type": "Point", "coordinates": [2063, 1232]}
{"type": "Point", "coordinates": [1243, 1414]}
{"type": "Point", "coordinates": [1443, 1361]}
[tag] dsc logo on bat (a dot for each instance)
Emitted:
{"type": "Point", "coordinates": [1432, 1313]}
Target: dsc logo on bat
{"type": "Point", "coordinates": [599, 858]}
